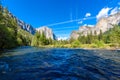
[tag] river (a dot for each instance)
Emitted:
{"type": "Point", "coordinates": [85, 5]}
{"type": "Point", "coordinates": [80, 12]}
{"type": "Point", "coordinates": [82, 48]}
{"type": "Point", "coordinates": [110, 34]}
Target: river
{"type": "Point", "coordinates": [31, 63]}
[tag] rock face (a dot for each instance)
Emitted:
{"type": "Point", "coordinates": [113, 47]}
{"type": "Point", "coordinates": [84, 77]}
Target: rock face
{"type": "Point", "coordinates": [74, 34]}
{"type": "Point", "coordinates": [26, 27]}
{"type": "Point", "coordinates": [23, 25]}
{"type": "Point", "coordinates": [47, 31]}
{"type": "Point", "coordinates": [104, 24]}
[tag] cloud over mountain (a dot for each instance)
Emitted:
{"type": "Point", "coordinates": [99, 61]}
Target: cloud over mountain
{"type": "Point", "coordinates": [103, 13]}
{"type": "Point", "coordinates": [114, 10]}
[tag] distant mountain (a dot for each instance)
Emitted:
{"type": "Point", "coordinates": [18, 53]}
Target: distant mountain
{"type": "Point", "coordinates": [27, 27]}
{"type": "Point", "coordinates": [104, 24]}
{"type": "Point", "coordinates": [47, 31]}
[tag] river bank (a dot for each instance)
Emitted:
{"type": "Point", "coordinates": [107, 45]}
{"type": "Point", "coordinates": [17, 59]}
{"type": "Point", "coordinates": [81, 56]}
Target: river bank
{"type": "Point", "coordinates": [83, 46]}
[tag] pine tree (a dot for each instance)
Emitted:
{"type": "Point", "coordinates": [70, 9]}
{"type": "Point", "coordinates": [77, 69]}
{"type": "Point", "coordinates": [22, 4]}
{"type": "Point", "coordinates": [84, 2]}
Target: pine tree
{"type": "Point", "coordinates": [100, 36]}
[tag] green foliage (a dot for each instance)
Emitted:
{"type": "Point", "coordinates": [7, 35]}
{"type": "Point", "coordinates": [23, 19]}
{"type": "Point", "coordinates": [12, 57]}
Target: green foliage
{"type": "Point", "coordinates": [99, 44]}
{"type": "Point", "coordinates": [100, 36]}
{"type": "Point", "coordinates": [40, 39]}
{"type": "Point", "coordinates": [8, 30]}
{"type": "Point", "coordinates": [76, 43]}
{"type": "Point", "coordinates": [24, 38]}
{"type": "Point", "coordinates": [11, 35]}
{"type": "Point", "coordinates": [82, 39]}
{"type": "Point", "coordinates": [111, 37]}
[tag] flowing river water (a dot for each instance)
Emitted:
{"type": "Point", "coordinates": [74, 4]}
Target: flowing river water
{"type": "Point", "coordinates": [31, 63]}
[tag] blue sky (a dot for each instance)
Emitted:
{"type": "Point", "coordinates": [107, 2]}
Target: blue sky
{"type": "Point", "coordinates": [63, 16]}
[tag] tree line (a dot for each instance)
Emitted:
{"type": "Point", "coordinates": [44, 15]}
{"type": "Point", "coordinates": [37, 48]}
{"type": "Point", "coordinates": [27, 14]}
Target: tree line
{"type": "Point", "coordinates": [111, 37]}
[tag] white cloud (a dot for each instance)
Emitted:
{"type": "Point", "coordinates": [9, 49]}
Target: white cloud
{"type": "Point", "coordinates": [84, 18]}
{"type": "Point", "coordinates": [88, 25]}
{"type": "Point", "coordinates": [103, 13]}
{"type": "Point", "coordinates": [80, 22]}
{"type": "Point", "coordinates": [62, 38]}
{"type": "Point", "coordinates": [88, 14]}
{"type": "Point", "coordinates": [91, 25]}
{"type": "Point", "coordinates": [114, 11]}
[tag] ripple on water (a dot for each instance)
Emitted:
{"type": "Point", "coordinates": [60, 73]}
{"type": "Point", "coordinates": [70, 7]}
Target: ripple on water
{"type": "Point", "coordinates": [30, 63]}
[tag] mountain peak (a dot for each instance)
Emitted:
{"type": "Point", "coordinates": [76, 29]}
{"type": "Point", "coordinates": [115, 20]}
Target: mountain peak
{"type": "Point", "coordinates": [47, 31]}
{"type": "Point", "coordinates": [103, 24]}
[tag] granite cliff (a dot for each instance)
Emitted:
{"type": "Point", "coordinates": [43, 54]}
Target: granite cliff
{"type": "Point", "coordinates": [27, 27]}
{"type": "Point", "coordinates": [47, 31]}
{"type": "Point", "coordinates": [104, 24]}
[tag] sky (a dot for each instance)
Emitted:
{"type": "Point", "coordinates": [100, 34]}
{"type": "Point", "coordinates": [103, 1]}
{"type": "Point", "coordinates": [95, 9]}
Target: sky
{"type": "Point", "coordinates": [63, 16]}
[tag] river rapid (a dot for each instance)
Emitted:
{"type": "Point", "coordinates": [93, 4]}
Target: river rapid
{"type": "Point", "coordinates": [31, 63]}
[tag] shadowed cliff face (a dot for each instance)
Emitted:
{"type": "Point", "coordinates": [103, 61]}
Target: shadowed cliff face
{"type": "Point", "coordinates": [27, 27]}
{"type": "Point", "coordinates": [30, 63]}
{"type": "Point", "coordinates": [103, 24]}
